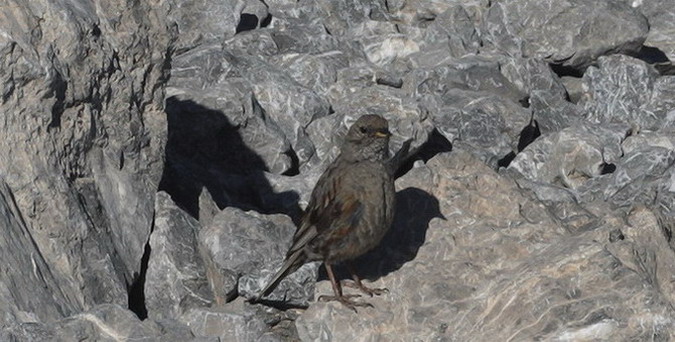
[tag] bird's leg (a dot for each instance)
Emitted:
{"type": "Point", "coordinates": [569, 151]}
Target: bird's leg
{"type": "Point", "coordinates": [337, 289]}
{"type": "Point", "coordinates": [358, 285]}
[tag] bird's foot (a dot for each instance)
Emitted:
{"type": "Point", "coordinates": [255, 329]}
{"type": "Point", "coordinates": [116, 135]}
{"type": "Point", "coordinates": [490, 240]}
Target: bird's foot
{"type": "Point", "coordinates": [367, 290]}
{"type": "Point", "coordinates": [346, 301]}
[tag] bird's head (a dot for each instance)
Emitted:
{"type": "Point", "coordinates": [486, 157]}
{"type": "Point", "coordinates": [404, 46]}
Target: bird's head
{"type": "Point", "coordinates": [367, 139]}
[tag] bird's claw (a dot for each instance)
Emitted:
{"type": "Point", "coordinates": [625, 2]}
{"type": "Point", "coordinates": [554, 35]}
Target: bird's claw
{"type": "Point", "coordinates": [366, 290]}
{"type": "Point", "coordinates": [346, 301]}
{"type": "Point", "coordinates": [326, 298]}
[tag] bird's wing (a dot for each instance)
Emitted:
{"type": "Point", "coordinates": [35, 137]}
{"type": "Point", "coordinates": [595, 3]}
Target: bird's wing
{"type": "Point", "coordinates": [332, 211]}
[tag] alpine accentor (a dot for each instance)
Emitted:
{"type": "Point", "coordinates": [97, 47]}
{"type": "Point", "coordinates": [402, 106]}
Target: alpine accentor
{"type": "Point", "coordinates": [350, 210]}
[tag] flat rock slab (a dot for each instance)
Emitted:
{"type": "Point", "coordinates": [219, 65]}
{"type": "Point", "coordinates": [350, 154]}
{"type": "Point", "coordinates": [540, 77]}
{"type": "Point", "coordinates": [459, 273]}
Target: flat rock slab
{"type": "Point", "coordinates": [245, 249]}
{"type": "Point", "coordinates": [569, 32]}
{"type": "Point", "coordinates": [176, 276]}
{"type": "Point", "coordinates": [628, 90]}
{"type": "Point", "coordinates": [106, 323]}
{"type": "Point", "coordinates": [226, 324]}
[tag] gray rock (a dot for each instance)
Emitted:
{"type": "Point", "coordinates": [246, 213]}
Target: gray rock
{"type": "Point", "coordinates": [213, 111]}
{"type": "Point", "coordinates": [34, 332]}
{"type": "Point", "coordinates": [627, 90]}
{"type": "Point", "coordinates": [385, 50]}
{"type": "Point", "coordinates": [202, 22]}
{"type": "Point", "coordinates": [661, 25]}
{"type": "Point", "coordinates": [452, 30]}
{"type": "Point", "coordinates": [28, 289]}
{"type": "Point", "coordinates": [502, 256]}
{"type": "Point", "coordinates": [340, 16]}
{"type": "Point", "coordinates": [327, 145]}
{"type": "Point", "coordinates": [645, 250]}
{"type": "Point", "coordinates": [564, 204]}
{"type": "Point", "coordinates": [470, 73]}
{"type": "Point", "coordinates": [314, 71]}
{"type": "Point", "coordinates": [662, 103]}
{"type": "Point", "coordinates": [176, 277]}
{"type": "Point", "coordinates": [381, 43]}
{"type": "Point", "coordinates": [553, 112]}
{"type": "Point", "coordinates": [108, 322]}
{"type": "Point", "coordinates": [83, 137]}
{"type": "Point", "coordinates": [250, 248]}
{"type": "Point", "coordinates": [105, 322]}
{"type": "Point", "coordinates": [273, 89]}
{"type": "Point", "coordinates": [591, 29]}
{"type": "Point", "coordinates": [297, 188]}
{"type": "Point", "coordinates": [283, 331]}
{"type": "Point", "coordinates": [208, 208]}
{"type": "Point", "coordinates": [256, 43]}
{"type": "Point", "coordinates": [200, 87]}
{"type": "Point", "coordinates": [296, 35]}
{"type": "Point", "coordinates": [573, 86]}
{"type": "Point", "coordinates": [425, 12]}
{"type": "Point", "coordinates": [661, 32]}
{"type": "Point", "coordinates": [665, 139]}
{"type": "Point", "coordinates": [640, 174]}
{"type": "Point", "coordinates": [286, 9]}
{"type": "Point", "coordinates": [532, 74]}
{"type": "Point", "coordinates": [199, 68]}
{"type": "Point", "coordinates": [237, 322]}
{"type": "Point", "coordinates": [484, 122]}
{"type": "Point", "coordinates": [571, 156]}
{"type": "Point", "coordinates": [361, 74]}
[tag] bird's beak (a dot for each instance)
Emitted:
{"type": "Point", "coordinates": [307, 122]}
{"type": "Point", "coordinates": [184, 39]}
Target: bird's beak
{"type": "Point", "coordinates": [381, 134]}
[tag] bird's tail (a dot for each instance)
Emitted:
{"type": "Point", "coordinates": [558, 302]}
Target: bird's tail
{"type": "Point", "coordinates": [292, 263]}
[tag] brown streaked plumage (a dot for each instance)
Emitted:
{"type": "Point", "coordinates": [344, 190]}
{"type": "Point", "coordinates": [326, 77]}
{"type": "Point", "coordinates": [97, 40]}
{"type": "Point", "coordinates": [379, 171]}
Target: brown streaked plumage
{"type": "Point", "coordinates": [350, 209]}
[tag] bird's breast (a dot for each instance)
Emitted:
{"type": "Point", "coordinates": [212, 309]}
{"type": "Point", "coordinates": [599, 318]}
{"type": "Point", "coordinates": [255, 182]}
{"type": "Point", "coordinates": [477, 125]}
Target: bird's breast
{"type": "Point", "coordinates": [374, 188]}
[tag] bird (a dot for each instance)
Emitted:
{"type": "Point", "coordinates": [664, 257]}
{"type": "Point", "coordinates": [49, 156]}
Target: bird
{"type": "Point", "coordinates": [350, 210]}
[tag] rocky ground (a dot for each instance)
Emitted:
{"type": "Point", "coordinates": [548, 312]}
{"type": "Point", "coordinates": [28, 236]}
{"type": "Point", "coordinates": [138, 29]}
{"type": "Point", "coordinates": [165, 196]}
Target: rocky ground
{"type": "Point", "coordinates": [156, 154]}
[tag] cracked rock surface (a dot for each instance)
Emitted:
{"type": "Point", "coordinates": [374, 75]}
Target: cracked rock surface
{"type": "Point", "coordinates": [156, 157]}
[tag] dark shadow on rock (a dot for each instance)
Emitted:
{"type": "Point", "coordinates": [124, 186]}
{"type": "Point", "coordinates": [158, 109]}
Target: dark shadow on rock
{"type": "Point", "coordinates": [415, 208]}
{"type": "Point", "coordinates": [247, 22]}
{"type": "Point", "coordinates": [135, 290]}
{"type": "Point", "coordinates": [564, 70]}
{"type": "Point", "coordinates": [204, 150]}
{"type": "Point", "coordinates": [652, 55]}
{"type": "Point", "coordinates": [528, 135]}
{"type": "Point", "coordinates": [435, 144]}
{"type": "Point", "coordinates": [267, 21]}
{"type": "Point", "coordinates": [607, 168]}
{"type": "Point", "coordinates": [657, 58]}
{"type": "Point", "coordinates": [507, 159]}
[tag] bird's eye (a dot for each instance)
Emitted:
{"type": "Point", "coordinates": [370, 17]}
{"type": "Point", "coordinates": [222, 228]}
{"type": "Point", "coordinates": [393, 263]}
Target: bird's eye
{"type": "Point", "coordinates": [363, 130]}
